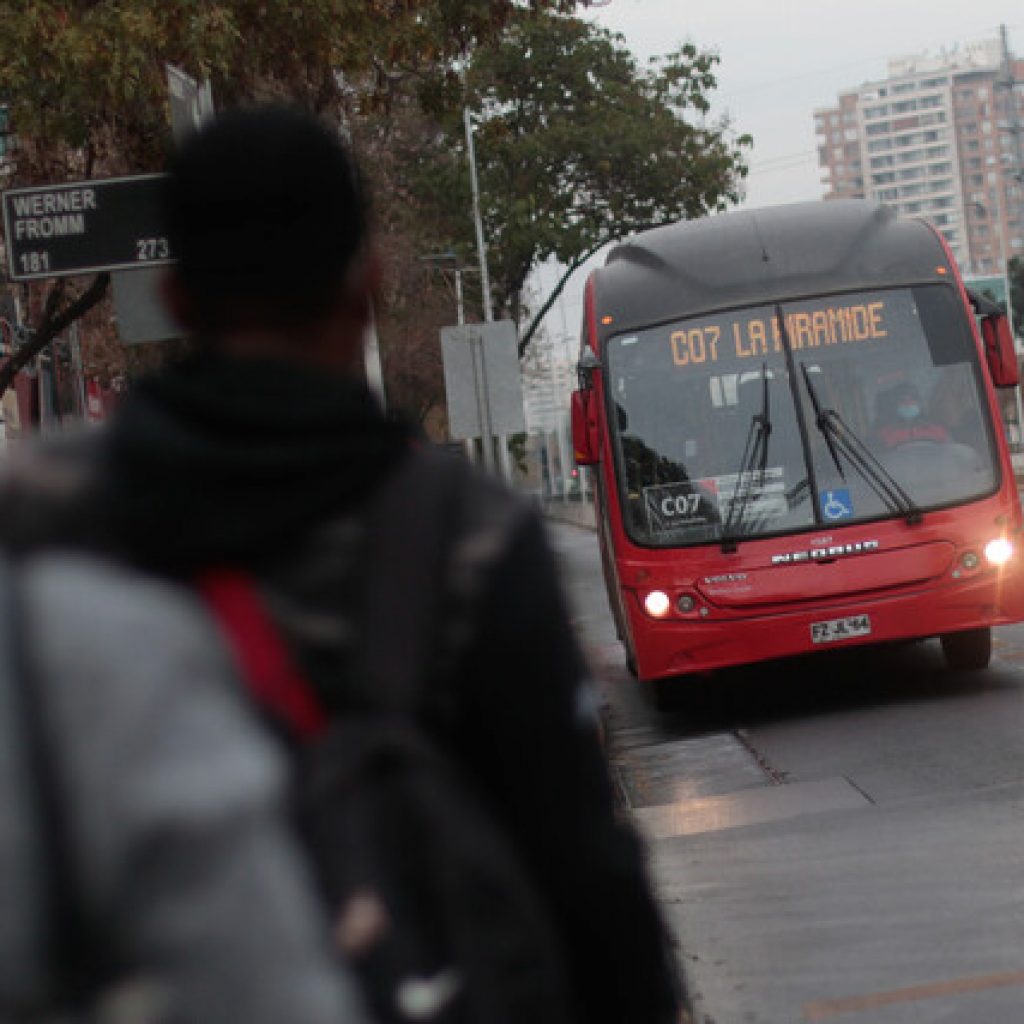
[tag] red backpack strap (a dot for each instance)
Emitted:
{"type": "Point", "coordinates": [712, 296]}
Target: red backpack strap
{"type": "Point", "coordinates": [266, 666]}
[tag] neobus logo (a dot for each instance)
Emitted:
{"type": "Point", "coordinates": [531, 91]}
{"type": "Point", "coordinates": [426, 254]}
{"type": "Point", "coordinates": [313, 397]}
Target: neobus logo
{"type": "Point", "coordinates": [822, 554]}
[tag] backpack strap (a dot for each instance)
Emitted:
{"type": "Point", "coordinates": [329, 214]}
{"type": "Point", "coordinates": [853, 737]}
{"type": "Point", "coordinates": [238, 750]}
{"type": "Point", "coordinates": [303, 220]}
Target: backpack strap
{"type": "Point", "coordinates": [411, 525]}
{"type": "Point", "coordinates": [75, 952]}
{"type": "Point", "coordinates": [264, 662]}
{"type": "Point", "coordinates": [406, 551]}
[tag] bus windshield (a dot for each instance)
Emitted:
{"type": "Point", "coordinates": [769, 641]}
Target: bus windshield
{"type": "Point", "coordinates": [802, 414]}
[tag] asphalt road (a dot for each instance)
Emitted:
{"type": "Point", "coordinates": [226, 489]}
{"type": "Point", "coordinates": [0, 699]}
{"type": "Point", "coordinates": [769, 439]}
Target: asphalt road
{"type": "Point", "coordinates": [834, 838]}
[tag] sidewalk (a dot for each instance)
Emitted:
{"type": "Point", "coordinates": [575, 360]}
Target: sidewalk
{"type": "Point", "coordinates": [574, 511]}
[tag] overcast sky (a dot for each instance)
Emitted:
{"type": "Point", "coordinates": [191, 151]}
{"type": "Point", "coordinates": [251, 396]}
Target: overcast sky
{"type": "Point", "coordinates": [781, 60]}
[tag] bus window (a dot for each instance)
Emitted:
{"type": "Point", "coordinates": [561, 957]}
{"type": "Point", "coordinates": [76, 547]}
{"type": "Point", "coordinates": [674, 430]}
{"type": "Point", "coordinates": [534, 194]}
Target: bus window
{"type": "Point", "coordinates": [909, 387]}
{"type": "Point", "coordinates": [708, 434]}
{"type": "Point", "coordinates": [686, 408]}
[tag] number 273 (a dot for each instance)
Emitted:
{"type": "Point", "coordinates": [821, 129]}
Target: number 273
{"type": "Point", "coordinates": [152, 249]}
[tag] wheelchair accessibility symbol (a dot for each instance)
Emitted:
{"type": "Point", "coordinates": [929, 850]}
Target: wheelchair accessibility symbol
{"type": "Point", "coordinates": [836, 505]}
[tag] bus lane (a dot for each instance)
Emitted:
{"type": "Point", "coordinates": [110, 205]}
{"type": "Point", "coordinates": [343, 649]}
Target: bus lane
{"type": "Point", "coordinates": [838, 837]}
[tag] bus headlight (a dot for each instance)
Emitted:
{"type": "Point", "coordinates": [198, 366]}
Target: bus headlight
{"type": "Point", "coordinates": [657, 604]}
{"type": "Point", "coordinates": [999, 551]}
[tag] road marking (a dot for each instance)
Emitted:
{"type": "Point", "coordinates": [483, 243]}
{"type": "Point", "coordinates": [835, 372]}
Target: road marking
{"type": "Point", "coordinates": [825, 1009]}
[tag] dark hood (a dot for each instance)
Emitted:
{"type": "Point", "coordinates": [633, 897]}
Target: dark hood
{"type": "Point", "coordinates": [230, 460]}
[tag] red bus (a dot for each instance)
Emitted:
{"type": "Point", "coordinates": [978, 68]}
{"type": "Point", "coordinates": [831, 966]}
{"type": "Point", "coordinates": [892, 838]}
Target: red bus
{"type": "Point", "coordinates": [796, 440]}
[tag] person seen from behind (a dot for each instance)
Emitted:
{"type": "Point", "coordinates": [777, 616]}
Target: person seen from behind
{"type": "Point", "coordinates": [265, 453]}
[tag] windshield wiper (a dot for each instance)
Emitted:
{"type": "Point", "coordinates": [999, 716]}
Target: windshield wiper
{"type": "Point", "coordinates": [752, 467]}
{"type": "Point", "coordinates": [840, 438]}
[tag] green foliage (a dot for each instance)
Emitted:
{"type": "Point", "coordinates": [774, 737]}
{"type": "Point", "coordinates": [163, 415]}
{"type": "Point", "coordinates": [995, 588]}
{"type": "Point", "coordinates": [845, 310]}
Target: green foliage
{"type": "Point", "coordinates": [88, 76]}
{"type": "Point", "coordinates": [577, 145]}
{"type": "Point", "coordinates": [85, 80]}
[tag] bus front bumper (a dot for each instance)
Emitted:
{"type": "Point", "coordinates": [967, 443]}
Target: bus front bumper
{"type": "Point", "coordinates": [681, 646]}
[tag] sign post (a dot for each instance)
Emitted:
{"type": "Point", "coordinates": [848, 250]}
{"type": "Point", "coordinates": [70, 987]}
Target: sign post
{"type": "Point", "coordinates": [84, 227]}
{"type": "Point", "coordinates": [191, 102]}
{"type": "Point", "coordinates": [482, 380]}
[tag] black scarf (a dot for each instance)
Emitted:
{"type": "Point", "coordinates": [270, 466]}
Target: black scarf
{"type": "Point", "coordinates": [228, 460]}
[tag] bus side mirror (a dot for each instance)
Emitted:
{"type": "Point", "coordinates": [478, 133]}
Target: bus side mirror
{"type": "Point", "coordinates": [999, 350]}
{"type": "Point", "coordinates": [585, 447]}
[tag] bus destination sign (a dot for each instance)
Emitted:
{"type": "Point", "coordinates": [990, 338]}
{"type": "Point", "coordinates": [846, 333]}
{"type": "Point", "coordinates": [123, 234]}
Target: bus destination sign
{"type": "Point", "coordinates": [743, 336]}
{"type": "Point", "coordinates": [84, 227]}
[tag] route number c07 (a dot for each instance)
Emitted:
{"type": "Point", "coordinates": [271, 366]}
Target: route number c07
{"type": "Point", "coordinates": [680, 505]}
{"type": "Point", "coordinates": [152, 249]}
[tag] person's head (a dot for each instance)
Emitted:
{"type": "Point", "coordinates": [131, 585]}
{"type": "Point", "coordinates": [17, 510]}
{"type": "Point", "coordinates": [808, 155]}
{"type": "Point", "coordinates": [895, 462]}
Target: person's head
{"type": "Point", "coordinates": [266, 215]}
{"type": "Point", "coordinates": [908, 402]}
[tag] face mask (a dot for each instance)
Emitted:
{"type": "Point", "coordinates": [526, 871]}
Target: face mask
{"type": "Point", "coordinates": [908, 411]}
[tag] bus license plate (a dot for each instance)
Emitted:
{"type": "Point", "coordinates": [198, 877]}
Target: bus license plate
{"type": "Point", "coordinates": [840, 629]}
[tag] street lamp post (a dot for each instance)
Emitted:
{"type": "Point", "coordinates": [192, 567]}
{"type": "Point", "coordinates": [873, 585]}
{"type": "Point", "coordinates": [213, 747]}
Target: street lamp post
{"type": "Point", "coordinates": [485, 284]}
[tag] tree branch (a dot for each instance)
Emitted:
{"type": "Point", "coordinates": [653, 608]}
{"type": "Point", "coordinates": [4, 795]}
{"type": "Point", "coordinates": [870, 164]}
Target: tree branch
{"type": "Point", "coordinates": [534, 324]}
{"type": "Point", "coordinates": [51, 325]}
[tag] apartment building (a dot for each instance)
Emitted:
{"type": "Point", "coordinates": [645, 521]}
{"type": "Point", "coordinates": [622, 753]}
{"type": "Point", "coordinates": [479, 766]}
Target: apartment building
{"type": "Point", "coordinates": [938, 138]}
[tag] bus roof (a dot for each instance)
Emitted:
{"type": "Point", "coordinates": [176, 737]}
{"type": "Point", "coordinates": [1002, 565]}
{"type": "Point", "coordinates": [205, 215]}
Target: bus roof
{"type": "Point", "coordinates": [749, 257]}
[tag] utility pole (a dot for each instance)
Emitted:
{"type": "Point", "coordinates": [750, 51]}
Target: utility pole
{"type": "Point", "coordinates": [486, 428]}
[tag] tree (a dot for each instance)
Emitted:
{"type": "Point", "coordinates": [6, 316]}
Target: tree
{"type": "Point", "coordinates": [85, 85]}
{"type": "Point", "coordinates": [578, 146]}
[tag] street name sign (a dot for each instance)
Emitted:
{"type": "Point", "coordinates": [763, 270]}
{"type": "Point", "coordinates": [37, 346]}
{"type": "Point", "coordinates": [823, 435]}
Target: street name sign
{"type": "Point", "coordinates": [84, 227]}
